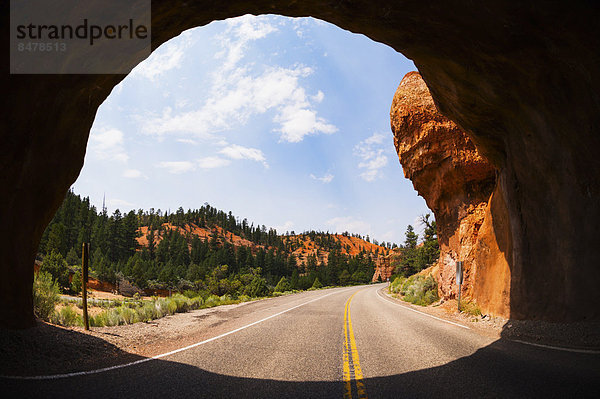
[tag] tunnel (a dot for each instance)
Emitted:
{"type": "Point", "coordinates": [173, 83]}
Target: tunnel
{"type": "Point", "coordinates": [521, 79]}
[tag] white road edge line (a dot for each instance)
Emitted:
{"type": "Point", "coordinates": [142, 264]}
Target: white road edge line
{"type": "Point", "coordinates": [120, 366]}
{"type": "Point", "coordinates": [423, 313]}
{"type": "Point", "coordinates": [558, 348]}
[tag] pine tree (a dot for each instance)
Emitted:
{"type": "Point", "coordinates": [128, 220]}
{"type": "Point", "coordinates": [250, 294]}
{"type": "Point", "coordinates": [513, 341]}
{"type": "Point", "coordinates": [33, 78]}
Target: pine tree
{"type": "Point", "coordinates": [55, 265]}
{"type": "Point", "coordinates": [317, 284]}
{"type": "Point", "coordinates": [283, 285]}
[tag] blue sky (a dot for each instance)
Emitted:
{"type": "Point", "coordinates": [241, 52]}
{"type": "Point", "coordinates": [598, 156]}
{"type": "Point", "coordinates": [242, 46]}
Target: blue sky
{"type": "Point", "coordinates": [284, 121]}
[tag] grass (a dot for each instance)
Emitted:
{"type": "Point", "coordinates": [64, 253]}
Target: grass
{"type": "Point", "coordinates": [470, 308]}
{"type": "Point", "coordinates": [68, 312]}
{"type": "Point", "coordinates": [67, 316]}
{"type": "Point", "coordinates": [122, 312]}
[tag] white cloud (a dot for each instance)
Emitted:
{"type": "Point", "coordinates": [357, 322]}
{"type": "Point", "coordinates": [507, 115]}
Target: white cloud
{"type": "Point", "coordinates": [349, 224]}
{"type": "Point", "coordinates": [237, 93]}
{"type": "Point", "coordinates": [324, 179]}
{"type": "Point", "coordinates": [116, 203]}
{"type": "Point", "coordinates": [389, 236]}
{"type": "Point", "coordinates": [376, 138]}
{"type": "Point", "coordinates": [235, 151]}
{"type": "Point", "coordinates": [297, 122]}
{"type": "Point", "coordinates": [243, 29]}
{"type": "Point", "coordinates": [198, 123]}
{"type": "Point", "coordinates": [212, 162]}
{"type": "Point", "coordinates": [249, 27]}
{"type": "Point", "coordinates": [177, 167]}
{"type": "Point", "coordinates": [371, 153]}
{"type": "Point", "coordinates": [167, 57]}
{"type": "Point", "coordinates": [243, 96]}
{"type": "Point", "coordinates": [318, 97]}
{"type": "Point", "coordinates": [107, 144]}
{"type": "Point", "coordinates": [287, 226]}
{"type": "Point", "coordinates": [188, 141]}
{"type": "Point", "coordinates": [134, 174]}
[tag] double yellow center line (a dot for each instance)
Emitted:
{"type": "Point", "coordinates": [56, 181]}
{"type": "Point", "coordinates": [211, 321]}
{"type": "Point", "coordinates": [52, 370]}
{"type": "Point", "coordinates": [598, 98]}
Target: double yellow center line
{"type": "Point", "coordinates": [351, 368]}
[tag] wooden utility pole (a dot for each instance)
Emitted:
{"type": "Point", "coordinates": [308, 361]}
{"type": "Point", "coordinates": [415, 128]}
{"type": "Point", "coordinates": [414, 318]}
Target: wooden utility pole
{"type": "Point", "coordinates": [85, 260]}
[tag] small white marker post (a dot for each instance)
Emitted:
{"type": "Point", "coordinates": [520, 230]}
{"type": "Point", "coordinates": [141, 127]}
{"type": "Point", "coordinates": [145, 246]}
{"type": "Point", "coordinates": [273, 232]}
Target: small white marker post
{"type": "Point", "coordinates": [459, 279]}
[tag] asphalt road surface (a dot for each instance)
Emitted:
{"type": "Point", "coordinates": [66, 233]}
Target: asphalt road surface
{"type": "Point", "coordinates": [336, 343]}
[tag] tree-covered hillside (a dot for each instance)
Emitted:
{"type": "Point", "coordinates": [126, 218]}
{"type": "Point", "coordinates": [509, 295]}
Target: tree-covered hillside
{"type": "Point", "coordinates": [202, 249]}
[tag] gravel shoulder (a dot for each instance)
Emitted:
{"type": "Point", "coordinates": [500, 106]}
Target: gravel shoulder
{"type": "Point", "coordinates": [48, 349]}
{"type": "Point", "coordinates": [580, 335]}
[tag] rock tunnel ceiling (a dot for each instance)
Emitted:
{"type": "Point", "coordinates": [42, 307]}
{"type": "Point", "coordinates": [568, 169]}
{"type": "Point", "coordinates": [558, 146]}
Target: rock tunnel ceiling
{"type": "Point", "coordinates": [520, 79]}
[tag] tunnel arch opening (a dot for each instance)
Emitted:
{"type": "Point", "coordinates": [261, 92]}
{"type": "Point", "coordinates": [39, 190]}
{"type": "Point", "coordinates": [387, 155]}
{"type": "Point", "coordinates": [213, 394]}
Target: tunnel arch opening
{"type": "Point", "coordinates": [279, 87]}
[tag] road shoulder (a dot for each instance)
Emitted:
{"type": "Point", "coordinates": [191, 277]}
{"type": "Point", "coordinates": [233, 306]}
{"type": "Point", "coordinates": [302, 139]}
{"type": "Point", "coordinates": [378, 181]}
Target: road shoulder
{"type": "Point", "coordinates": [580, 336]}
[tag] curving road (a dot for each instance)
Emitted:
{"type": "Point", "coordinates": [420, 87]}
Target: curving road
{"type": "Point", "coordinates": [336, 343]}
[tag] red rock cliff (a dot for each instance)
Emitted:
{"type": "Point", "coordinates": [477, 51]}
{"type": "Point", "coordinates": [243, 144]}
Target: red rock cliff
{"type": "Point", "coordinates": [385, 266]}
{"type": "Point", "coordinates": [459, 186]}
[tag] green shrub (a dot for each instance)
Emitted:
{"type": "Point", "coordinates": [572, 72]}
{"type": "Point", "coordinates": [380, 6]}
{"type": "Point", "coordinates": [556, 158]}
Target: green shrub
{"type": "Point", "coordinates": [100, 320]}
{"type": "Point", "coordinates": [146, 312]}
{"type": "Point", "coordinates": [182, 303]}
{"type": "Point", "coordinates": [396, 284]}
{"type": "Point", "coordinates": [161, 308]}
{"type": "Point", "coordinates": [196, 302]}
{"type": "Point", "coordinates": [190, 294]}
{"type": "Point", "coordinates": [470, 308]}
{"type": "Point", "coordinates": [283, 285]}
{"type": "Point", "coordinates": [171, 306]}
{"type": "Point", "coordinates": [211, 301]}
{"type": "Point", "coordinates": [244, 298]}
{"type": "Point", "coordinates": [108, 318]}
{"type": "Point", "coordinates": [68, 317]}
{"type": "Point", "coordinates": [257, 287]}
{"type": "Point", "coordinates": [420, 290]}
{"type": "Point", "coordinates": [76, 284]}
{"type": "Point", "coordinates": [128, 315]}
{"type": "Point", "coordinates": [46, 295]}
{"type": "Point", "coordinates": [113, 317]}
{"type": "Point", "coordinates": [55, 264]}
{"type": "Point", "coordinates": [316, 284]}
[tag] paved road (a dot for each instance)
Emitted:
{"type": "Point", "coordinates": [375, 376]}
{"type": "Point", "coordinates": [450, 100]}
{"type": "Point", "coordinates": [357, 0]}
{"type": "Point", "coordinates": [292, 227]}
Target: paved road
{"type": "Point", "coordinates": [338, 343]}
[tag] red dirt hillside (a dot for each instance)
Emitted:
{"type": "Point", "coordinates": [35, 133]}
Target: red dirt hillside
{"type": "Point", "coordinates": [349, 246]}
{"type": "Point", "coordinates": [302, 245]}
{"type": "Point", "coordinates": [201, 232]}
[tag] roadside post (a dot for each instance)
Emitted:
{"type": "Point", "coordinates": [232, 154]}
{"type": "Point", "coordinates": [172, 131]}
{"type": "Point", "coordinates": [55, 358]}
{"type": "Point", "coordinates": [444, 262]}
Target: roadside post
{"type": "Point", "coordinates": [459, 279]}
{"type": "Point", "coordinates": [85, 260]}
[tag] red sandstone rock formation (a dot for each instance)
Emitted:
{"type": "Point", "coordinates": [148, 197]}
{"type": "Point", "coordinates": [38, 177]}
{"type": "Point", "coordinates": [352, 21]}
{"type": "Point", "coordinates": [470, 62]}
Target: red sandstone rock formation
{"type": "Point", "coordinates": [384, 267]}
{"type": "Point", "coordinates": [457, 183]}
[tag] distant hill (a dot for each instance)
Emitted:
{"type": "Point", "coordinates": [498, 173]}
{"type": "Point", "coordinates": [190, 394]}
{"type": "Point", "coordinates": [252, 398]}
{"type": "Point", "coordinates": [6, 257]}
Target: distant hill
{"type": "Point", "coordinates": [204, 249]}
{"type": "Point", "coordinates": [302, 246]}
{"type": "Point", "coordinates": [320, 245]}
